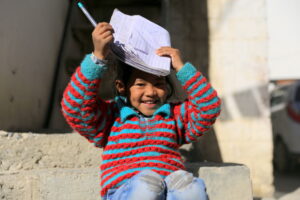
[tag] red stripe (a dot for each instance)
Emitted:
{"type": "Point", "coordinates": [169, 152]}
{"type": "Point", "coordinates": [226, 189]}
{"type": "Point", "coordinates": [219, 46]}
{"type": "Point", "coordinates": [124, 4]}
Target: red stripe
{"type": "Point", "coordinates": [84, 79]}
{"type": "Point", "coordinates": [69, 110]}
{"type": "Point", "coordinates": [77, 83]}
{"type": "Point", "coordinates": [140, 135]}
{"type": "Point", "coordinates": [207, 98]}
{"type": "Point", "coordinates": [198, 83]}
{"type": "Point", "coordinates": [212, 106]}
{"type": "Point", "coordinates": [138, 127]}
{"type": "Point", "coordinates": [202, 91]}
{"type": "Point", "coordinates": [142, 143]}
{"type": "Point", "coordinates": [140, 150]}
{"type": "Point", "coordinates": [192, 80]}
{"type": "Point", "coordinates": [165, 158]}
{"type": "Point", "coordinates": [122, 168]}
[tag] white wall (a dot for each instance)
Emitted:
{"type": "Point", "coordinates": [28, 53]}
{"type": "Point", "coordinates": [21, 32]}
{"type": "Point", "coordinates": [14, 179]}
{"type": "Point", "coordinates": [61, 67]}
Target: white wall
{"type": "Point", "coordinates": [30, 35]}
{"type": "Point", "coordinates": [239, 72]}
{"type": "Point", "coordinates": [284, 39]}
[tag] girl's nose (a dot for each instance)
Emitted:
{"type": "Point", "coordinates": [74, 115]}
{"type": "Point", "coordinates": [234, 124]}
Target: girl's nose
{"type": "Point", "coordinates": [150, 91]}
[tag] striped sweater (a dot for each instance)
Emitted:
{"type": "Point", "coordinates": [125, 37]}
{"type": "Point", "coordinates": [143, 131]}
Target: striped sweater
{"type": "Point", "coordinates": [131, 142]}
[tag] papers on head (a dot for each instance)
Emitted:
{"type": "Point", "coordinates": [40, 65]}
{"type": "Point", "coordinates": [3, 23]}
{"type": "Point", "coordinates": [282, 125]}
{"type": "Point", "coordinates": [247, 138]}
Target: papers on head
{"type": "Point", "coordinates": [136, 40]}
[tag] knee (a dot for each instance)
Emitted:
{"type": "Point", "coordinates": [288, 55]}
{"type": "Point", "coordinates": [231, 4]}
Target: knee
{"type": "Point", "coordinates": [153, 180]}
{"type": "Point", "coordinates": [179, 179]}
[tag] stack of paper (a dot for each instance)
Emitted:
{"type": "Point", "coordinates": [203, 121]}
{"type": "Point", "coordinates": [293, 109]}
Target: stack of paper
{"type": "Point", "coordinates": [136, 40]}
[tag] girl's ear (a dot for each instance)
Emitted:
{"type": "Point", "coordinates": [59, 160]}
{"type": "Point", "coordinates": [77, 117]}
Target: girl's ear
{"type": "Point", "coordinates": [120, 86]}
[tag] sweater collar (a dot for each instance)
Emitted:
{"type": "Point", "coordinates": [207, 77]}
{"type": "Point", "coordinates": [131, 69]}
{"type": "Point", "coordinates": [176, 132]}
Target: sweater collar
{"type": "Point", "coordinates": [126, 111]}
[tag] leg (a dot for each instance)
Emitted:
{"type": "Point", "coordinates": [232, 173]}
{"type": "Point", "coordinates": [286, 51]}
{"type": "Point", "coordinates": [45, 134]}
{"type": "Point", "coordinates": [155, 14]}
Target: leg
{"type": "Point", "coordinates": [147, 185]}
{"type": "Point", "coordinates": [181, 185]}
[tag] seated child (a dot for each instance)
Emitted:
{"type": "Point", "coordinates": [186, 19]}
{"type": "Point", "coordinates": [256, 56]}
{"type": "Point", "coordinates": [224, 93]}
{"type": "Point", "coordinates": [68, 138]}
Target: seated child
{"type": "Point", "coordinates": [139, 131]}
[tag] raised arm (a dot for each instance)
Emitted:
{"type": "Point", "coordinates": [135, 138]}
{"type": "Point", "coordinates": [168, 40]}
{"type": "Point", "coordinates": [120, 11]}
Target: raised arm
{"type": "Point", "coordinates": [83, 110]}
{"type": "Point", "coordinates": [198, 113]}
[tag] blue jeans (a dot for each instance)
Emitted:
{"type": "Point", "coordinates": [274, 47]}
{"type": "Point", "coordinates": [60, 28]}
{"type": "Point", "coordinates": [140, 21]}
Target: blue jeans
{"type": "Point", "coordinates": [148, 185]}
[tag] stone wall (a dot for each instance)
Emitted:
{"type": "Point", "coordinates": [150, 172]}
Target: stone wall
{"type": "Point", "coordinates": [239, 72]}
{"type": "Point", "coordinates": [66, 167]}
{"type": "Point", "coordinates": [30, 38]}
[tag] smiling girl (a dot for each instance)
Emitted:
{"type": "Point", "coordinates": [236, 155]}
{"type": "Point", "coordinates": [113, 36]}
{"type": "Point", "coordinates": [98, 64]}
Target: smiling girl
{"type": "Point", "coordinates": [139, 131]}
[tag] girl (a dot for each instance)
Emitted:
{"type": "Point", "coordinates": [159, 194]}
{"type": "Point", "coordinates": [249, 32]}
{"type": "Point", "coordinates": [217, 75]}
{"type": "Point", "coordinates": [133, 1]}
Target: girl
{"type": "Point", "coordinates": [139, 132]}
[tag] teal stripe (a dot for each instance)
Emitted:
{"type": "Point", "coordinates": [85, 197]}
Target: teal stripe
{"type": "Point", "coordinates": [71, 115]}
{"type": "Point", "coordinates": [91, 129]}
{"type": "Point", "coordinates": [88, 117]}
{"type": "Point", "coordinates": [128, 140]}
{"type": "Point", "coordinates": [198, 90]}
{"type": "Point", "coordinates": [152, 123]}
{"type": "Point", "coordinates": [182, 110]}
{"type": "Point", "coordinates": [186, 73]}
{"type": "Point", "coordinates": [77, 88]}
{"type": "Point", "coordinates": [122, 150]}
{"type": "Point", "coordinates": [207, 103]}
{"type": "Point", "coordinates": [80, 81]}
{"type": "Point", "coordinates": [197, 118]}
{"type": "Point", "coordinates": [70, 106]}
{"type": "Point", "coordinates": [195, 82]}
{"type": "Point", "coordinates": [79, 101]}
{"type": "Point", "coordinates": [148, 153]}
{"type": "Point", "coordinates": [139, 131]}
{"type": "Point", "coordinates": [91, 70]}
{"type": "Point", "coordinates": [212, 111]}
{"type": "Point", "coordinates": [142, 161]}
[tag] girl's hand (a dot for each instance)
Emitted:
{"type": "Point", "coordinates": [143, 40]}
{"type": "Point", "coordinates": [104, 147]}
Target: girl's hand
{"type": "Point", "coordinates": [174, 54]}
{"type": "Point", "coordinates": [102, 36]}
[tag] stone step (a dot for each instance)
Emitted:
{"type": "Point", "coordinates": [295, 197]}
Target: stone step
{"type": "Point", "coordinates": [223, 181]}
{"type": "Point", "coordinates": [65, 167]}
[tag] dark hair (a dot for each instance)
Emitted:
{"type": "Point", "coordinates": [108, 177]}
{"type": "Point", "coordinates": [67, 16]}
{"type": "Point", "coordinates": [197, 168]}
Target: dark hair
{"type": "Point", "coordinates": [123, 73]}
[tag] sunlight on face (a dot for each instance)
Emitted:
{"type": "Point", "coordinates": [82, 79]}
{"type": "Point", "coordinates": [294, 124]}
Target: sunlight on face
{"type": "Point", "coordinates": [146, 92]}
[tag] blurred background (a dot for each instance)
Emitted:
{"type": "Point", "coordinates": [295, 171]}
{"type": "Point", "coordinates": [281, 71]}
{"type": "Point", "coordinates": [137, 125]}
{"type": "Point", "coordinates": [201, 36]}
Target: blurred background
{"type": "Point", "coordinates": [248, 50]}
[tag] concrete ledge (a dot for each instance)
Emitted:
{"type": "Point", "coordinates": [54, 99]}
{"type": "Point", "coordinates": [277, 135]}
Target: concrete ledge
{"type": "Point", "coordinates": [66, 167]}
{"type": "Point", "coordinates": [51, 184]}
{"type": "Point", "coordinates": [223, 181]}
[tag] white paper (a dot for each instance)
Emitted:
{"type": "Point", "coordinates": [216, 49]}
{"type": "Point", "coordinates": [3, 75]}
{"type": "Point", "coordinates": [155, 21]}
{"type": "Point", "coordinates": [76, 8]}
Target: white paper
{"type": "Point", "coordinates": [135, 41]}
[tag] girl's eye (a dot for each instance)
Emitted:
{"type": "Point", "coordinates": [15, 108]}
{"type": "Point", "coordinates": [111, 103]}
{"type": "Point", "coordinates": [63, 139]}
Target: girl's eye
{"type": "Point", "coordinates": [140, 84]}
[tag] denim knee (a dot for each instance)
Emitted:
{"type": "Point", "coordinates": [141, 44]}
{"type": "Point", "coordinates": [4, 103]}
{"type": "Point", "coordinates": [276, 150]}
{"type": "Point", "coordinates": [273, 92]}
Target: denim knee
{"type": "Point", "coordinates": [153, 180]}
{"type": "Point", "coordinates": [178, 180]}
{"type": "Point", "coordinates": [182, 185]}
{"type": "Point", "coordinates": [146, 185]}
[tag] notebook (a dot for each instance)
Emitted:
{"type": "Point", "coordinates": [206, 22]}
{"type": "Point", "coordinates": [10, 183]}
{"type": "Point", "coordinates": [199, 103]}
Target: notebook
{"type": "Point", "coordinates": [135, 41]}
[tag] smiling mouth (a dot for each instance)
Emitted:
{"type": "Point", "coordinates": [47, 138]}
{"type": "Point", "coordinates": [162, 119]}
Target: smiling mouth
{"type": "Point", "coordinates": [151, 102]}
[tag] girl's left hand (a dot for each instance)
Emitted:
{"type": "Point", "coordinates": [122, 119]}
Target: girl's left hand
{"type": "Point", "coordinates": [174, 54]}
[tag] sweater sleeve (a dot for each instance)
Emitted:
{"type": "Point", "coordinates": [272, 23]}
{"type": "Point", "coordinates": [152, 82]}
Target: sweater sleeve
{"type": "Point", "coordinates": [198, 113]}
{"type": "Point", "coordinates": [83, 110]}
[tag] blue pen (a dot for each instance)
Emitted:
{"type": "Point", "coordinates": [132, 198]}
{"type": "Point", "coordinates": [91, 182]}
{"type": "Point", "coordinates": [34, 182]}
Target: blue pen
{"type": "Point", "coordinates": [87, 14]}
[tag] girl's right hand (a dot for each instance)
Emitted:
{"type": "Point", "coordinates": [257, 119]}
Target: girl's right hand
{"type": "Point", "coordinates": [102, 36]}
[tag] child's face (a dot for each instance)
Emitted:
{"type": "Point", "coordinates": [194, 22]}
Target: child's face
{"type": "Point", "coordinates": [146, 92]}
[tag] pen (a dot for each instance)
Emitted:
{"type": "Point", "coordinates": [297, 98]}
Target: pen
{"type": "Point", "coordinates": [87, 14]}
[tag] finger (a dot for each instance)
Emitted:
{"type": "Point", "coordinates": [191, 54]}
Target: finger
{"type": "Point", "coordinates": [164, 48]}
{"type": "Point", "coordinates": [108, 39]}
{"type": "Point", "coordinates": [164, 52]}
{"type": "Point", "coordinates": [106, 34]}
{"type": "Point", "coordinates": [106, 30]}
{"type": "Point", "coordinates": [101, 27]}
